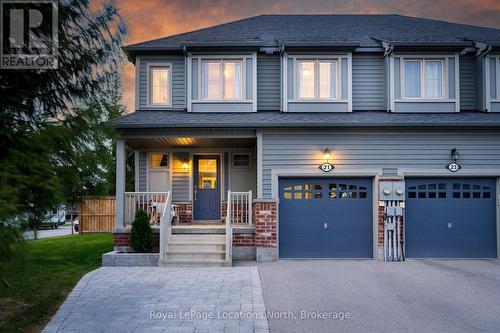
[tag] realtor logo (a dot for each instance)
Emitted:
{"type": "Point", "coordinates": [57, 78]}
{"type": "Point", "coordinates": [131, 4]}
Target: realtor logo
{"type": "Point", "coordinates": [28, 34]}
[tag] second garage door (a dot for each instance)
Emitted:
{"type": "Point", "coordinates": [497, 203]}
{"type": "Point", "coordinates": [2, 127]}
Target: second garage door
{"type": "Point", "coordinates": [325, 218]}
{"type": "Point", "coordinates": [450, 218]}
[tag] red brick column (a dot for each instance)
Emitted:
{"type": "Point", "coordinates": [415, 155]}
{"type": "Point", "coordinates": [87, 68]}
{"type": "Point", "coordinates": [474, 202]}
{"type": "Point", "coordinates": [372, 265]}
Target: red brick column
{"type": "Point", "coordinates": [265, 218]}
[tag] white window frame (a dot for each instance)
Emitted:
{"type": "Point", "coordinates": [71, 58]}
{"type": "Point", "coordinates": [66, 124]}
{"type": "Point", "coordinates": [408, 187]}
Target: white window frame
{"type": "Point", "coordinates": [317, 61]}
{"type": "Point", "coordinates": [222, 62]}
{"type": "Point", "coordinates": [423, 60]}
{"type": "Point", "coordinates": [161, 168]}
{"type": "Point", "coordinates": [497, 79]}
{"type": "Point", "coordinates": [149, 89]}
{"type": "Point", "coordinates": [241, 167]}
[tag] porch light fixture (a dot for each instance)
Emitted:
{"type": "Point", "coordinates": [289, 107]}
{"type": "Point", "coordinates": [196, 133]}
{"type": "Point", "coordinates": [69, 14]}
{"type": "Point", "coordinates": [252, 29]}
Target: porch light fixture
{"type": "Point", "coordinates": [327, 166]}
{"type": "Point", "coordinates": [453, 166]}
{"type": "Point", "coordinates": [185, 164]}
{"type": "Point", "coordinates": [326, 155]}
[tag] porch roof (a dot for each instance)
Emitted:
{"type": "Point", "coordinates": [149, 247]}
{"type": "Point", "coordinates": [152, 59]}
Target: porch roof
{"type": "Point", "coordinates": [275, 119]}
{"type": "Point", "coordinates": [190, 142]}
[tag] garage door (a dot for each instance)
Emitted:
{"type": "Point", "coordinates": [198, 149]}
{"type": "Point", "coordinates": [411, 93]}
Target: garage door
{"type": "Point", "coordinates": [325, 218]}
{"type": "Point", "coordinates": [450, 218]}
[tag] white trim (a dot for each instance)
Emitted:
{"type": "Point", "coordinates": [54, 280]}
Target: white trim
{"type": "Point", "coordinates": [136, 171]}
{"type": "Point", "coordinates": [392, 91]}
{"type": "Point", "coordinates": [497, 79]}
{"type": "Point", "coordinates": [487, 85]}
{"type": "Point", "coordinates": [457, 83]}
{"type": "Point", "coordinates": [137, 83]}
{"type": "Point", "coordinates": [430, 100]}
{"type": "Point", "coordinates": [189, 83]}
{"type": "Point", "coordinates": [259, 164]}
{"type": "Point", "coordinates": [254, 81]}
{"type": "Point", "coordinates": [349, 82]}
{"type": "Point", "coordinates": [148, 84]}
{"type": "Point", "coordinates": [284, 75]}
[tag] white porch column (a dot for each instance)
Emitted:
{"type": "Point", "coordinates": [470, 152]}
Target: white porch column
{"type": "Point", "coordinates": [120, 183]}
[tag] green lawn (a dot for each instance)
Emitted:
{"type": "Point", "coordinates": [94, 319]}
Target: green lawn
{"type": "Point", "coordinates": [38, 279]}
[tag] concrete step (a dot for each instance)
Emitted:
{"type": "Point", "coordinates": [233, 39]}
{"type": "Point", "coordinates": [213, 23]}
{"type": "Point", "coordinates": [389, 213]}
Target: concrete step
{"type": "Point", "coordinates": [196, 246]}
{"type": "Point", "coordinates": [195, 263]}
{"type": "Point", "coordinates": [195, 254]}
{"type": "Point", "coordinates": [197, 238]}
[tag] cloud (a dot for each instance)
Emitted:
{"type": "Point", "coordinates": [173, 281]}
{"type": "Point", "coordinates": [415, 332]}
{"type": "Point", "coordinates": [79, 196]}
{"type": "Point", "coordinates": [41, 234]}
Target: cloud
{"type": "Point", "coordinates": [150, 19]}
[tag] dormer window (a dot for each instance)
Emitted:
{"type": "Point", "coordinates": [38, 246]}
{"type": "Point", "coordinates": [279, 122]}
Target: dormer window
{"type": "Point", "coordinates": [222, 80]}
{"type": "Point", "coordinates": [423, 79]}
{"type": "Point", "coordinates": [317, 79]}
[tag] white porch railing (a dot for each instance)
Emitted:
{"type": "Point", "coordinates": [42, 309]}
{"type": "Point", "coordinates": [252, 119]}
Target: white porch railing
{"type": "Point", "coordinates": [165, 227]}
{"type": "Point", "coordinates": [153, 203]}
{"type": "Point", "coordinates": [239, 207]}
{"type": "Point", "coordinates": [229, 229]}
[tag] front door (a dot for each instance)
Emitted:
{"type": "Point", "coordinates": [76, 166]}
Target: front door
{"type": "Point", "coordinates": [206, 187]}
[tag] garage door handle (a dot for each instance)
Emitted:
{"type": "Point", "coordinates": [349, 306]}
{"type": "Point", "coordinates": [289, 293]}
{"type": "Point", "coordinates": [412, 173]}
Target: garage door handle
{"type": "Point", "coordinates": [325, 225]}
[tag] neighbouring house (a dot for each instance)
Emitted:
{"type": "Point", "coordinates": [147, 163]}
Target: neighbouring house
{"type": "Point", "coordinates": [315, 136]}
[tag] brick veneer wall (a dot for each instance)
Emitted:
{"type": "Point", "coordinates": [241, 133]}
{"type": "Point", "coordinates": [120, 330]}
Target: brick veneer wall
{"type": "Point", "coordinates": [185, 212]}
{"type": "Point", "coordinates": [265, 220]}
{"type": "Point", "coordinates": [121, 240]}
{"type": "Point", "coordinates": [244, 240]}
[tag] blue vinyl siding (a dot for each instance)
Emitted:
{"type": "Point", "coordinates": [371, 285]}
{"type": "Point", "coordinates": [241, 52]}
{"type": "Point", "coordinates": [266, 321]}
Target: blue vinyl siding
{"type": "Point", "coordinates": [368, 82]}
{"type": "Point", "coordinates": [178, 80]}
{"type": "Point", "coordinates": [374, 150]}
{"type": "Point", "coordinates": [467, 83]}
{"type": "Point", "coordinates": [268, 82]}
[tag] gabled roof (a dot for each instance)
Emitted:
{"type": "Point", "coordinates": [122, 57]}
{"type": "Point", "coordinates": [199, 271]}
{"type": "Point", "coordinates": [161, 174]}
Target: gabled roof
{"type": "Point", "coordinates": [275, 119]}
{"type": "Point", "coordinates": [345, 29]}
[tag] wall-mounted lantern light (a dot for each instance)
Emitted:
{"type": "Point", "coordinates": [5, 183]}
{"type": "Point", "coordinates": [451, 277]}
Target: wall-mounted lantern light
{"type": "Point", "coordinates": [326, 166]}
{"type": "Point", "coordinates": [453, 166]}
{"type": "Point", "coordinates": [185, 164]}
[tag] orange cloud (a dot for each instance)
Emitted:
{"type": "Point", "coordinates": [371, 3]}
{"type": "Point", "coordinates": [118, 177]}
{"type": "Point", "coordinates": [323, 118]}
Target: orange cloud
{"type": "Point", "coordinates": [150, 19]}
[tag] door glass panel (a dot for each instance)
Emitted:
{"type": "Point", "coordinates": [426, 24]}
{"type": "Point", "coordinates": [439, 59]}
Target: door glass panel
{"type": "Point", "coordinates": [207, 173]}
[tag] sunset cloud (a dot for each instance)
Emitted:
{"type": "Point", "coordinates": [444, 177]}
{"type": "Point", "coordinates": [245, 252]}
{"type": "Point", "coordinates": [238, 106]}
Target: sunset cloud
{"type": "Point", "coordinates": [150, 19]}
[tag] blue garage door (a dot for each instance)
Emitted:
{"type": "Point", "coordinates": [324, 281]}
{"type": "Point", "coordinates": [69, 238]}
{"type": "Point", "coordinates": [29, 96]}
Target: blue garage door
{"type": "Point", "coordinates": [450, 218]}
{"type": "Point", "coordinates": [325, 218]}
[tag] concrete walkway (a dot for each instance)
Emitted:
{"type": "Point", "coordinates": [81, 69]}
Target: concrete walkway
{"type": "Point", "coordinates": [413, 296]}
{"type": "Point", "coordinates": [152, 299]}
{"type": "Point", "coordinates": [62, 230]}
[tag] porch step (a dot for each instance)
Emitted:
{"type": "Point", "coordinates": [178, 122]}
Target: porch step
{"type": "Point", "coordinates": [198, 246]}
{"type": "Point", "coordinates": [196, 250]}
{"type": "Point", "coordinates": [195, 262]}
{"type": "Point", "coordinates": [195, 254]}
{"type": "Point", "coordinates": [197, 238]}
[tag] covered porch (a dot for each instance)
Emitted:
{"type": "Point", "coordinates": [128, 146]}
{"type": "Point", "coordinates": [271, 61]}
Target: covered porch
{"type": "Point", "coordinates": [189, 183]}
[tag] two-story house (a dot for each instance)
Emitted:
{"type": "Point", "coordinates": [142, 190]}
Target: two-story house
{"type": "Point", "coordinates": [302, 131]}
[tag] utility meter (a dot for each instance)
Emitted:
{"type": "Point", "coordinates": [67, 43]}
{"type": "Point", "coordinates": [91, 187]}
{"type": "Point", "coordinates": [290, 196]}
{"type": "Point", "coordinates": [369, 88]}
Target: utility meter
{"type": "Point", "coordinates": [391, 191]}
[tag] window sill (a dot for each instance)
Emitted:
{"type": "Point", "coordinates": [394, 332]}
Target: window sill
{"type": "Point", "coordinates": [236, 101]}
{"type": "Point", "coordinates": [318, 101]}
{"type": "Point", "coordinates": [425, 100]}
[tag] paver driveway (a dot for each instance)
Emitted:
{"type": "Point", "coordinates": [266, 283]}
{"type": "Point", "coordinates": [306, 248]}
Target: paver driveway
{"type": "Point", "coordinates": [152, 299]}
{"type": "Point", "coordinates": [413, 296]}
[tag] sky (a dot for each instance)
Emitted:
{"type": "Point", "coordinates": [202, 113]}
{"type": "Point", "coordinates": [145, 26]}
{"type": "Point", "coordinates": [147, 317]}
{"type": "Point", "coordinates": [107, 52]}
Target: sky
{"type": "Point", "coordinates": [151, 19]}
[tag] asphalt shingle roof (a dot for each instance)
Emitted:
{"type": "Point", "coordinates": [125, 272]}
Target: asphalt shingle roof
{"type": "Point", "coordinates": [275, 119]}
{"type": "Point", "coordinates": [365, 30]}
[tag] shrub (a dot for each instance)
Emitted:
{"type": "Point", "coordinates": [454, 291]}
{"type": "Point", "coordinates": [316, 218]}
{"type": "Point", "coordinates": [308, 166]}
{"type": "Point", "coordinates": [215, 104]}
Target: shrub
{"type": "Point", "coordinates": [141, 235]}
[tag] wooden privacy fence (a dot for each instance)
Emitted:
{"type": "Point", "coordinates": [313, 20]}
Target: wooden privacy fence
{"type": "Point", "coordinates": [96, 214]}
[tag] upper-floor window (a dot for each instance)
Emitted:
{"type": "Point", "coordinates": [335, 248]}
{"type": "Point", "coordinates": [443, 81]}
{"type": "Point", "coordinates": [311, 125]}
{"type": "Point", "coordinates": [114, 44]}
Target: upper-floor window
{"type": "Point", "coordinates": [317, 79]}
{"type": "Point", "coordinates": [222, 80]}
{"type": "Point", "coordinates": [160, 85]}
{"type": "Point", "coordinates": [423, 79]}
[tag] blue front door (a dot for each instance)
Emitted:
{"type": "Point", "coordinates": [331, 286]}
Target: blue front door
{"type": "Point", "coordinates": [325, 218]}
{"type": "Point", "coordinates": [450, 218]}
{"type": "Point", "coordinates": [206, 187]}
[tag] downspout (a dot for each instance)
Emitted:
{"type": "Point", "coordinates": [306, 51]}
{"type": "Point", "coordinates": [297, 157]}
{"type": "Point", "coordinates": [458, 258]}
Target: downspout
{"type": "Point", "coordinates": [282, 85]}
{"type": "Point", "coordinates": [184, 51]}
{"type": "Point", "coordinates": [389, 48]}
{"type": "Point", "coordinates": [482, 49]}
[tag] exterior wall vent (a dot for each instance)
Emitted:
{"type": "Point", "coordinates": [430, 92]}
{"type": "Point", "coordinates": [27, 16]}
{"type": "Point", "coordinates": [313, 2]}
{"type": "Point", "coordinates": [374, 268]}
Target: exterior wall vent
{"type": "Point", "coordinates": [389, 171]}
